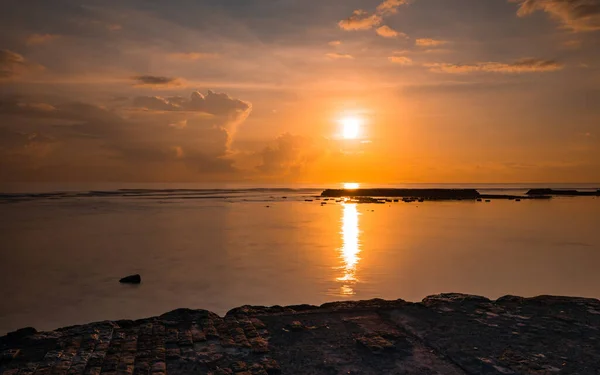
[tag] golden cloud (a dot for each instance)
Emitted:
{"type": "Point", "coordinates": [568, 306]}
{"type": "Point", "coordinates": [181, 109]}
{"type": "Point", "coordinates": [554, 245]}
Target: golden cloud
{"type": "Point", "coordinates": [390, 6]}
{"type": "Point", "coordinates": [360, 20]}
{"type": "Point", "coordinates": [402, 60]}
{"type": "Point", "coordinates": [387, 32]}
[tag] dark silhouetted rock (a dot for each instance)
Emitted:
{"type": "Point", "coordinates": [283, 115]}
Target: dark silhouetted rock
{"type": "Point", "coordinates": [131, 279]}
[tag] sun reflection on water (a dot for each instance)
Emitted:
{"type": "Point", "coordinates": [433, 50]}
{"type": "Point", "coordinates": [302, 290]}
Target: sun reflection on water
{"type": "Point", "coordinates": [350, 248]}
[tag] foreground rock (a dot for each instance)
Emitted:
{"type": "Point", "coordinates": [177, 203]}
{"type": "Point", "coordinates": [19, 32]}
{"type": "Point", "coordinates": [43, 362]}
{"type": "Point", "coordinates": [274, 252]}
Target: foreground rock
{"type": "Point", "coordinates": [444, 334]}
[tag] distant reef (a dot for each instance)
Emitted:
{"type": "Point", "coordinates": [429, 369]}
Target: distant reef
{"type": "Point", "coordinates": [537, 192]}
{"type": "Point", "coordinates": [445, 334]}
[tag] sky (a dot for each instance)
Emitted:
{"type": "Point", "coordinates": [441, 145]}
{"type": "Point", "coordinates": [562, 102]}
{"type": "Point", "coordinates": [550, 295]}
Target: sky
{"type": "Point", "coordinates": [438, 91]}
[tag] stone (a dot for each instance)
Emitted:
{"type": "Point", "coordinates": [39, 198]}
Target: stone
{"type": "Point", "coordinates": [131, 279]}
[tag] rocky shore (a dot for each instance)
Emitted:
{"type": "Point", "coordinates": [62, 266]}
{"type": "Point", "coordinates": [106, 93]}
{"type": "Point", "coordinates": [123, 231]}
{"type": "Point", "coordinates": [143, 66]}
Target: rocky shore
{"type": "Point", "coordinates": [443, 334]}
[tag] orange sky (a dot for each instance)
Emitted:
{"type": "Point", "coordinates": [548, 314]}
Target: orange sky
{"type": "Point", "coordinates": [255, 92]}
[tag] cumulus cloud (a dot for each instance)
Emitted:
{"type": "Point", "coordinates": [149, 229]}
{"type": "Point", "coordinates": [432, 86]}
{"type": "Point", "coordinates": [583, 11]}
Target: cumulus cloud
{"type": "Point", "coordinates": [426, 42]}
{"type": "Point", "coordinates": [13, 65]}
{"type": "Point", "coordinates": [185, 136]}
{"type": "Point", "coordinates": [402, 60]}
{"type": "Point", "coordinates": [578, 15]}
{"type": "Point", "coordinates": [149, 80]}
{"type": "Point", "coordinates": [193, 56]}
{"type": "Point", "coordinates": [387, 32]}
{"type": "Point", "coordinates": [338, 56]}
{"type": "Point", "coordinates": [520, 66]}
{"type": "Point", "coordinates": [40, 38]}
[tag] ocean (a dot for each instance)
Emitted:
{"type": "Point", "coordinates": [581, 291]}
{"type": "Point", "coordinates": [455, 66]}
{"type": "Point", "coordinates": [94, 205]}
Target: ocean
{"type": "Point", "coordinates": [64, 249]}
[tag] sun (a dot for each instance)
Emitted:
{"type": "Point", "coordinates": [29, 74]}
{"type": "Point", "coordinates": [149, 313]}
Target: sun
{"type": "Point", "coordinates": [350, 127]}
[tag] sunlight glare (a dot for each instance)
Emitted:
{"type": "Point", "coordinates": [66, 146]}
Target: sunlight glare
{"type": "Point", "coordinates": [351, 185]}
{"type": "Point", "coordinates": [350, 127]}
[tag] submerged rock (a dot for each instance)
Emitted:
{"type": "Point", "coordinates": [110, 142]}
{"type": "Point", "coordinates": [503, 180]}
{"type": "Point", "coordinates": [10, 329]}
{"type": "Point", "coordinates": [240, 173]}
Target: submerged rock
{"type": "Point", "coordinates": [131, 279]}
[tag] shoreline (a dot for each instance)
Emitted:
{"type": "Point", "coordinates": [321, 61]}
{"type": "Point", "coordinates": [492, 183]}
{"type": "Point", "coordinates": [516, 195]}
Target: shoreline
{"type": "Point", "coordinates": [444, 334]}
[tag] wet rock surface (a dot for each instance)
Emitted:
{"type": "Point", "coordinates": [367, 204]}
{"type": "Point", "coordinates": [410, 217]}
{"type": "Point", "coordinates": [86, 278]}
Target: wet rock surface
{"type": "Point", "coordinates": [444, 334]}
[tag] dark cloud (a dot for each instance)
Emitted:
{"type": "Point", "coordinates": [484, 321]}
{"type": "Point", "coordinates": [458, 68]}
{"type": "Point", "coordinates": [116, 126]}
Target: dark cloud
{"type": "Point", "coordinates": [578, 15]}
{"type": "Point", "coordinates": [520, 66]}
{"type": "Point", "coordinates": [13, 65]}
{"type": "Point", "coordinates": [149, 80]}
{"type": "Point", "coordinates": [218, 104]}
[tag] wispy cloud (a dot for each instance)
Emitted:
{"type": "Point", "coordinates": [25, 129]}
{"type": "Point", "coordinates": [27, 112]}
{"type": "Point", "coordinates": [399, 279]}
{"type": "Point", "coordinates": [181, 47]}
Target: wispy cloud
{"type": "Point", "coordinates": [572, 44]}
{"type": "Point", "coordinates": [40, 38]}
{"type": "Point", "coordinates": [578, 15]}
{"type": "Point", "coordinates": [520, 66]}
{"type": "Point", "coordinates": [114, 27]}
{"type": "Point", "coordinates": [335, 43]}
{"type": "Point", "coordinates": [338, 56]}
{"type": "Point", "coordinates": [402, 60]}
{"type": "Point", "coordinates": [13, 65]}
{"type": "Point", "coordinates": [427, 42]}
{"type": "Point", "coordinates": [192, 56]}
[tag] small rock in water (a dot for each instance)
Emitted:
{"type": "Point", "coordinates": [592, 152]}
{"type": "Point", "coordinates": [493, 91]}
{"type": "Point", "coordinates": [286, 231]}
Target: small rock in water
{"type": "Point", "coordinates": [132, 279]}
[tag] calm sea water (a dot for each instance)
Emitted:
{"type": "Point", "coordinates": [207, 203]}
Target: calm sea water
{"type": "Point", "coordinates": [61, 256]}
